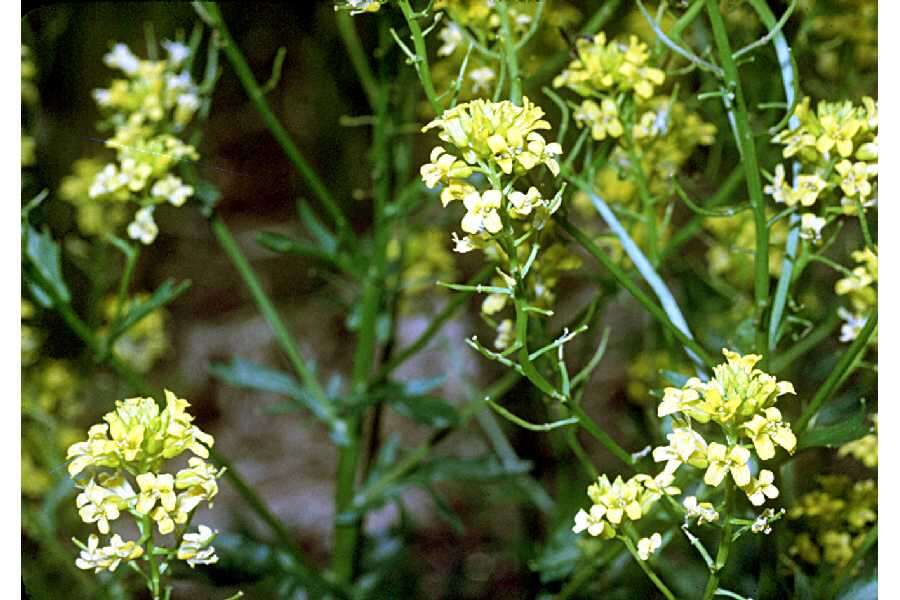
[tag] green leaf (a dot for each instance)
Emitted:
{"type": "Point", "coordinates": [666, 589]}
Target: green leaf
{"type": "Point", "coordinates": [430, 410]}
{"type": "Point", "coordinates": [326, 240]}
{"type": "Point", "coordinates": [842, 431]}
{"type": "Point", "coordinates": [374, 494]}
{"type": "Point", "coordinates": [559, 557]}
{"type": "Point", "coordinates": [446, 512]}
{"type": "Point", "coordinates": [163, 295]}
{"type": "Point", "coordinates": [208, 195]}
{"type": "Point", "coordinates": [283, 244]}
{"type": "Point", "coordinates": [246, 374]}
{"type": "Point", "coordinates": [42, 253]}
{"type": "Point", "coordinates": [676, 379]}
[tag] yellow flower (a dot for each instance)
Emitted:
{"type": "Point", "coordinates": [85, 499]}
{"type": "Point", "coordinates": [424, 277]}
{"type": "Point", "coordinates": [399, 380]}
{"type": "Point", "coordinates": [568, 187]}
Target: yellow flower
{"type": "Point", "coordinates": [109, 557]}
{"type": "Point", "coordinates": [96, 504]}
{"type": "Point", "coordinates": [520, 205]}
{"type": "Point", "coordinates": [442, 168]}
{"type": "Point", "coordinates": [155, 488]}
{"type": "Point", "coordinates": [723, 460]}
{"type": "Point", "coordinates": [648, 546]}
{"type": "Point", "coordinates": [593, 522]}
{"type": "Point", "coordinates": [704, 512]}
{"type": "Point", "coordinates": [482, 212]}
{"type": "Point", "coordinates": [195, 548]}
{"type": "Point", "coordinates": [764, 430]}
{"type": "Point", "coordinates": [143, 227]}
{"type": "Point", "coordinates": [685, 446]}
{"type": "Point", "coordinates": [811, 226]}
{"type": "Point", "coordinates": [759, 489]}
{"type": "Point", "coordinates": [201, 476]}
{"type": "Point", "coordinates": [610, 67]}
{"type": "Point", "coordinates": [855, 178]}
{"type": "Point", "coordinates": [506, 334]}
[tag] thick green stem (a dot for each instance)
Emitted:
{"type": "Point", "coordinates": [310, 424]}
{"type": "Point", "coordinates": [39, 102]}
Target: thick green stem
{"type": "Point", "coordinates": [346, 535]}
{"type": "Point", "coordinates": [743, 134]}
{"type": "Point", "coordinates": [210, 11]}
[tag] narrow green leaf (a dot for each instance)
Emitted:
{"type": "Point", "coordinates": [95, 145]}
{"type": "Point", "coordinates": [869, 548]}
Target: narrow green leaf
{"type": "Point", "coordinates": [842, 431]}
{"type": "Point", "coordinates": [163, 295]}
{"type": "Point", "coordinates": [246, 374]}
{"type": "Point", "coordinates": [42, 252]}
{"type": "Point", "coordinates": [283, 244]}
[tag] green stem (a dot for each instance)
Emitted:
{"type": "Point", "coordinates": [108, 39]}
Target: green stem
{"type": "Point", "coordinates": [509, 53]}
{"type": "Point", "coordinates": [210, 11]}
{"type": "Point", "coordinates": [266, 307]}
{"type": "Point", "coordinates": [743, 134]}
{"type": "Point", "coordinates": [839, 373]}
{"type": "Point", "coordinates": [346, 535]}
{"type": "Point", "coordinates": [421, 64]}
{"type": "Point", "coordinates": [712, 583]}
{"type": "Point", "coordinates": [610, 444]}
{"type": "Point", "coordinates": [632, 288]}
{"type": "Point", "coordinates": [347, 29]}
{"type": "Point", "coordinates": [646, 569]}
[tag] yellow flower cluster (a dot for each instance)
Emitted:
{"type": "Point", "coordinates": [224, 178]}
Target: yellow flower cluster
{"type": "Point", "coordinates": [865, 449]}
{"type": "Point", "coordinates": [495, 144]}
{"type": "Point", "coordinates": [833, 520]}
{"type": "Point", "coordinates": [610, 68]}
{"type": "Point", "coordinates": [143, 344]}
{"type": "Point", "coordinates": [621, 501]}
{"type": "Point", "coordinates": [490, 135]}
{"type": "Point", "coordinates": [119, 469]}
{"type": "Point", "coordinates": [147, 110]}
{"type": "Point", "coordinates": [740, 399]}
{"type": "Point", "coordinates": [836, 148]}
{"type": "Point", "coordinates": [860, 289]}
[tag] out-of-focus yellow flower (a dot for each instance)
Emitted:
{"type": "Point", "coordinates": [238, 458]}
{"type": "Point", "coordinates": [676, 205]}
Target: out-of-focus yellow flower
{"type": "Point", "coordinates": [759, 489]}
{"type": "Point", "coordinates": [612, 66]}
{"type": "Point", "coordinates": [865, 449]}
{"type": "Point", "coordinates": [603, 118]}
